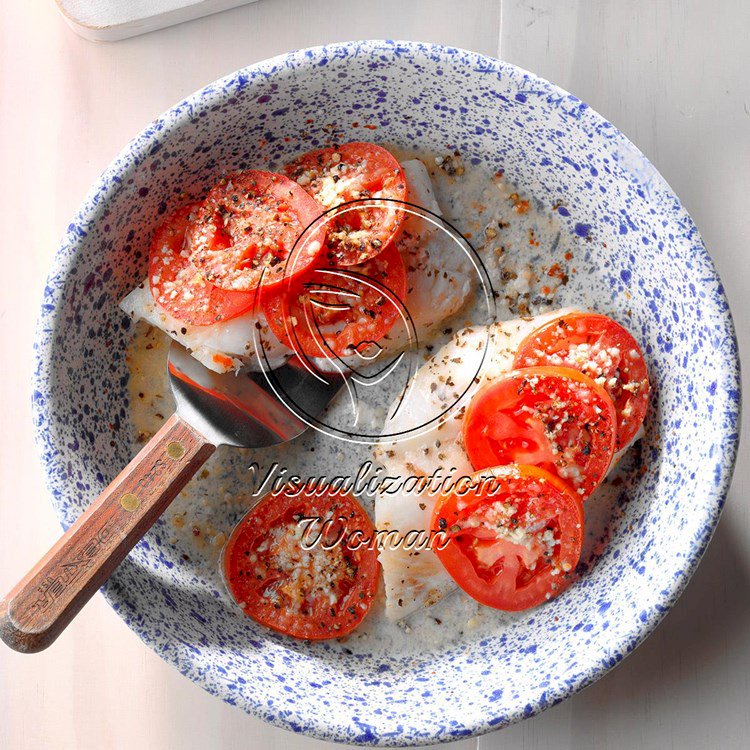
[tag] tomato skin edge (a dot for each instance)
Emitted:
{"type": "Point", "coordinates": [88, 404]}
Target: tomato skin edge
{"type": "Point", "coordinates": [280, 306]}
{"type": "Point", "coordinates": [382, 164]}
{"type": "Point", "coordinates": [205, 231]}
{"type": "Point", "coordinates": [461, 569]}
{"type": "Point", "coordinates": [569, 321]}
{"type": "Point", "coordinates": [273, 506]}
{"type": "Point", "coordinates": [472, 444]}
{"type": "Point", "coordinates": [208, 303]}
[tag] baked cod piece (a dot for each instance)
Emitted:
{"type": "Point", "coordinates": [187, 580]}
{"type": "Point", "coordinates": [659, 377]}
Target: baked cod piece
{"type": "Point", "coordinates": [416, 578]}
{"type": "Point", "coordinates": [438, 283]}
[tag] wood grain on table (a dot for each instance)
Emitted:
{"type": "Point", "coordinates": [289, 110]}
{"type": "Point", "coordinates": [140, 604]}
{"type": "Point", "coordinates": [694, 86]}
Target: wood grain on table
{"type": "Point", "coordinates": [674, 75]}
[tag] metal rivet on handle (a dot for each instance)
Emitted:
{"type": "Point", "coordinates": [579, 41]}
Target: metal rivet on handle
{"type": "Point", "coordinates": [175, 450]}
{"type": "Point", "coordinates": [129, 501]}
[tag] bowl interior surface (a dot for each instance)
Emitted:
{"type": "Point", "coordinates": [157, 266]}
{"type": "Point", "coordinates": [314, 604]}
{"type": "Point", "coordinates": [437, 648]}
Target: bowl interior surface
{"type": "Point", "coordinates": [640, 259]}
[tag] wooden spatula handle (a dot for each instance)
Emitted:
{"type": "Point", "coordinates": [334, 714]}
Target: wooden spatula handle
{"type": "Point", "coordinates": [39, 608]}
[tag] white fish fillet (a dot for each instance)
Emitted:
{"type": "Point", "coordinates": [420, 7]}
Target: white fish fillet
{"type": "Point", "coordinates": [416, 579]}
{"type": "Point", "coordinates": [439, 283]}
{"type": "Point", "coordinates": [208, 344]}
{"type": "Point", "coordinates": [420, 193]}
{"type": "Point", "coordinates": [440, 276]}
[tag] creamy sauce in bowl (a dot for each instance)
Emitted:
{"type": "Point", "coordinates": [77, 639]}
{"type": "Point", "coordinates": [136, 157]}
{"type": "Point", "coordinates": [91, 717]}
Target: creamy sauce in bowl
{"type": "Point", "coordinates": [529, 260]}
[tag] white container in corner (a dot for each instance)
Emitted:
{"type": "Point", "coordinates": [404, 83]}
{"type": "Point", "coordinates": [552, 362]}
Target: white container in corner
{"type": "Point", "coordinates": [110, 20]}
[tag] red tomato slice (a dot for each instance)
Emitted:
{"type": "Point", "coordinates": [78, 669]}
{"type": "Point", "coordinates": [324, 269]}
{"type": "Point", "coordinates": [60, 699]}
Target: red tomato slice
{"type": "Point", "coordinates": [176, 284]}
{"type": "Point", "coordinates": [552, 417]}
{"type": "Point", "coordinates": [247, 228]}
{"type": "Point", "coordinates": [338, 310]}
{"type": "Point", "coordinates": [350, 172]}
{"type": "Point", "coordinates": [602, 349]}
{"type": "Point", "coordinates": [514, 536]}
{"type": "Point", "coordinates": [284, 582]}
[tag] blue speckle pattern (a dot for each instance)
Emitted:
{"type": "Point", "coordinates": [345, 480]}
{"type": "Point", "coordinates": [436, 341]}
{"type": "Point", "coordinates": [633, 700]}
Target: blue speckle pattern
{"type": "Point", "coordinates": [641, 259]}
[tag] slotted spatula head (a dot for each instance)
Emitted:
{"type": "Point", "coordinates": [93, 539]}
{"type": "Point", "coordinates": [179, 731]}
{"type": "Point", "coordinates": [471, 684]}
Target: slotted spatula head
{"type": "Point", "coordinates": [243, 409]}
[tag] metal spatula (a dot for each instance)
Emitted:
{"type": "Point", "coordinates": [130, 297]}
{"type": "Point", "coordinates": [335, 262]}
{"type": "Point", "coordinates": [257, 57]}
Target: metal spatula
{"type": "Point", "coordinates": [238, 410]}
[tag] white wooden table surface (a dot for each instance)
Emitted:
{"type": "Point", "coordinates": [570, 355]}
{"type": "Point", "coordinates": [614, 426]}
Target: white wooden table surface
{"type": "Point", "coordinates": [673, 75]}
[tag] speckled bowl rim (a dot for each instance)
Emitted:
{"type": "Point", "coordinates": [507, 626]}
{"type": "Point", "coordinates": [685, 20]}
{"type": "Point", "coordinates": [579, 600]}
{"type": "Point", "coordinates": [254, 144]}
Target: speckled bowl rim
{"type": "Point", "coordinates": [128, 160]}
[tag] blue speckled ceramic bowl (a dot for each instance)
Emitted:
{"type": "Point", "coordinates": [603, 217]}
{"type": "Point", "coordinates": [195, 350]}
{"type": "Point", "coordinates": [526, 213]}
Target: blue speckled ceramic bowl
{"type": "Point", "coordinates": [639, 253]}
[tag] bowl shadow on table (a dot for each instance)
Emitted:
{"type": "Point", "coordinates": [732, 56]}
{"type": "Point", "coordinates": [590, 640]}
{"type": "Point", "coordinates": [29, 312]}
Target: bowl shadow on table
{"type": "Point", "coordinates": [700, 636]}
{"type": "Point", "coordinates": [711, 617]}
